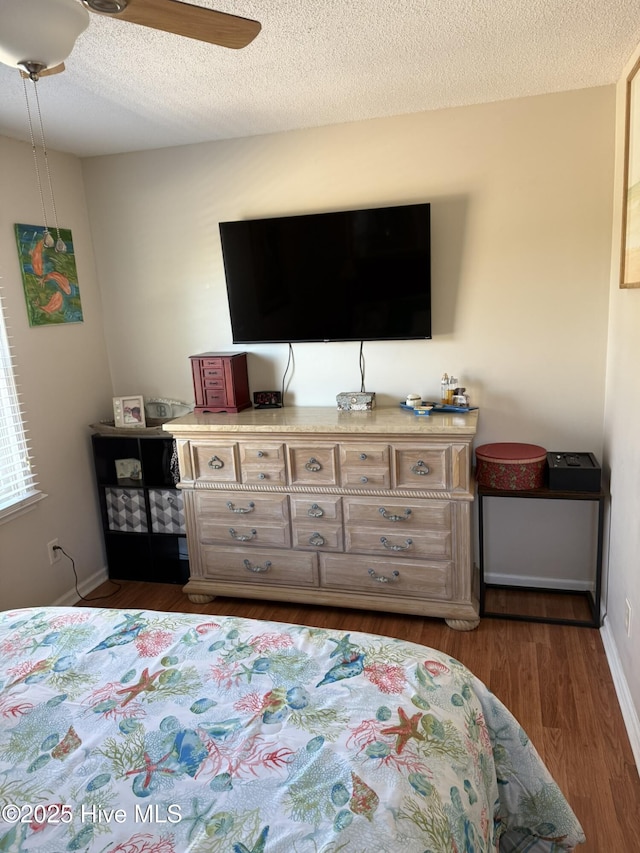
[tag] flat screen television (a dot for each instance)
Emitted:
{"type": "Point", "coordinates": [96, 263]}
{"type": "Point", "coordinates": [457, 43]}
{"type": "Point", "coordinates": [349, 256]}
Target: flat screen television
{"type": "Point", "coordinates": [352, 275]}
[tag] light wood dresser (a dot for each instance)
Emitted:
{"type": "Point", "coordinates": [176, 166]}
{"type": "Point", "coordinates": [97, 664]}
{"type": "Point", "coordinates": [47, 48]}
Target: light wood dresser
{"type": "Point", "coordinates": [353, 509]}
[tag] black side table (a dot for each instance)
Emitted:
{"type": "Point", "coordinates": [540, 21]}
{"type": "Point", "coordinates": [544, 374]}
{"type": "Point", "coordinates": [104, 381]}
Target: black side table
{"type": "Point", "coordinates": [593, 598]}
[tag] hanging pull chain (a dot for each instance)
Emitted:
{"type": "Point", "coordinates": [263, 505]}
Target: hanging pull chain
{"type": "Point", "coordinates": [61, 246]}
{"type": "Point", "coordinates": [48, 241]}
{"type": "Point", "coordinates": [47, 238]}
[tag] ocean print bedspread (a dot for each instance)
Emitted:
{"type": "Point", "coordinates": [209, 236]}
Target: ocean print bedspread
{"type": "Point", "coordinates": [129, 731]}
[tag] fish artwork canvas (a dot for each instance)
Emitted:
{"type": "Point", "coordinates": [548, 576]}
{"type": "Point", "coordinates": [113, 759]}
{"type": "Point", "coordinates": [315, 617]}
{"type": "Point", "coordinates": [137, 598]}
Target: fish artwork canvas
{"type": "Point", "coordinates": [49, 277]}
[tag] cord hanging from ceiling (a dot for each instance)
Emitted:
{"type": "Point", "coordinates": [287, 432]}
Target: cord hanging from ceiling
{"type": "Point", "coordinates": [60, 245]}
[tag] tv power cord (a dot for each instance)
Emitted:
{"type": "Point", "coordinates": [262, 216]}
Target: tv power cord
{"type": "Point", "coordinates": [75, 574]}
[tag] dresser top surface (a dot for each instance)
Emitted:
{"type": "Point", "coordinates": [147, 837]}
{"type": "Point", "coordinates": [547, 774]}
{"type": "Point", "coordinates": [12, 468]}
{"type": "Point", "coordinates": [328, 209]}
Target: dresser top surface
{"type": "Point", "coordinates": [320, 419]}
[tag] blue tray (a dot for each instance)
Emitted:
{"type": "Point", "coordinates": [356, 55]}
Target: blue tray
{"type": "Point", "coordinates": [411, 409]}
{"type": "Point", "coordinates": [445, 407]}
{"type": "Point", "coordinates": [439, 407]}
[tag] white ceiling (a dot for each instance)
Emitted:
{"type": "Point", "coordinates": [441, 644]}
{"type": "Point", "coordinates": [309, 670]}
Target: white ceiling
{"type": "Point", "coordinates": [318, 62]}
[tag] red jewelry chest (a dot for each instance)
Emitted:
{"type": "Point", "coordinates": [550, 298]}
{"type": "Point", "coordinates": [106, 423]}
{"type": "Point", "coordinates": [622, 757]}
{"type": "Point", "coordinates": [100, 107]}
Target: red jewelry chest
{"type": "Point", "coordinates": [220, 382]}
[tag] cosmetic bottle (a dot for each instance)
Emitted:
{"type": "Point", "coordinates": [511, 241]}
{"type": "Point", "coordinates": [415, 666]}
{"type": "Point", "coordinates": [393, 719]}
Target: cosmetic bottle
{"type": "Point", "coordinates": [444, 388]}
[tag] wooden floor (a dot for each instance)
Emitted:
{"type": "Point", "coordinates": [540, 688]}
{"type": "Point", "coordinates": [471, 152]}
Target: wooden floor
{"type": "Point", "coordinates": [554, 679]}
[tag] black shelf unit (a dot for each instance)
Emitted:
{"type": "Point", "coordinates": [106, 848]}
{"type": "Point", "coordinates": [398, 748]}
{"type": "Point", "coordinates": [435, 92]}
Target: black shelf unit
{"type": "Point", "coordinates": [544, 493]}
{"type": "Point", "coordinates": [142, 516]}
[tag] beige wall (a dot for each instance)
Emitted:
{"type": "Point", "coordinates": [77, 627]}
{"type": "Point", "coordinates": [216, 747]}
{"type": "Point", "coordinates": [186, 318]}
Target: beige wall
{"type": "Point", "coordinates": [521, 195]}
{"type": "Point", "coordinates": [622, 442]}
{"type": "Point", "coordinates": [65, 386]}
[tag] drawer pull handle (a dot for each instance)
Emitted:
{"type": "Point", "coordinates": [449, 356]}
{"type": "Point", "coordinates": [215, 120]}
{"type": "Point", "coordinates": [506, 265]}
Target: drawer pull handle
{"type": "Point", "coordinates": [124, 497]}
{"type": "Point", "coordinates": [420, 468]}
{"type": "Point", "coordinates": [241, 509]}
{"type": "Point", "coordinates": [260, 454]}
{"type": "Point", "coordinates": [171, 500]}
{"type": "Point", "coordinates": [251, 568]}
{"type": "Point", "coordinates": [383, 512]}
{"type": "Point", "coordinates": [261, 476]}
{"type": "Point", "coordinates": [392, 547]}
{"type": "Point", "coordinates": [316, 539]}
{"type": "Point", "coordinates": [383, 578]}
{"type": "Point", "coordinates": [313, 465]}
{"type": "Point", "coordinates": [216, 462]}
{"type": "Point", "coordinates": [242, 537]}
{"type": "Point", "coordinates": [363, 456]}
{"type": "Point", "coordinates": [364, 479]}
{"type": "Point", "coordinates": [315, 511]}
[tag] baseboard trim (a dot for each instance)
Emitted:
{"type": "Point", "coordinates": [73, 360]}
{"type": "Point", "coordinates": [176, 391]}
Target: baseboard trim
{"type": "Point", "coordinates": [538, 582]}
{"type": "Point", "coordinates": [629, 713]}
{"type": "Point", "coordinates": [71, 597]}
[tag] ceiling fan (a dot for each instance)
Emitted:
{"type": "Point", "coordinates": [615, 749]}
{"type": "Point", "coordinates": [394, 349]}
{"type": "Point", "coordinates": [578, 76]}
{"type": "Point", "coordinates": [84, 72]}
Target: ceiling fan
{"type": "Point", "coordinates": [38, 35]}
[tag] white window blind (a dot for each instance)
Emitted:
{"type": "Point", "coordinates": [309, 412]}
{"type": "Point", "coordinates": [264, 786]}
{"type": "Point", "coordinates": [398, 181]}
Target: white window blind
{"type": "Point", "coordinates": [18, 486]}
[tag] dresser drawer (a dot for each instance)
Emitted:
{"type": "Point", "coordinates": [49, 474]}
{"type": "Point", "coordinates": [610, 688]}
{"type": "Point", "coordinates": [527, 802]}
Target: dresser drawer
{"type": "Point", "coordinates": [322, 537]}
{"type": "Point", "coordinates": [397, 515]}
{"type": "Point", "coordinates": [364, 455]}
{"type": "Point", "coordinates": [325, 509]}
{"type": "Point", "coordinates": [388, 577]}
{"type": "Point", "coordinates": [313, 464]}
{"type": "Point", "coordinates": [263, 475]}
{"type": "Point", "coordinates": [244, 533]}
{"type": "Point", "coordinates": [369, 478]}
{"type": "Point", "coordinates": [215, 461]}
{"type": "Point", "coordinates": [431, 545]}
{"type": "Point", "coordinates": [267, 452]}
{"type": "Point", "coordinates": [213, 383]}
{"type": "Point", "coordinates": [206, 364]}
{"type": "Point", "coordinates": [286, 568]}
{"type": "Point", "coordinates": [242, 508]}
{"type": "Point", "coordinates": [421, 468]}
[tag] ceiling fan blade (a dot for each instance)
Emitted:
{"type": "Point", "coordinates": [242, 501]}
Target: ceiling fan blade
{"type": "Point", "coordinates": [57, 69]}
{"type": "Point", "coordinates": [185, 19]}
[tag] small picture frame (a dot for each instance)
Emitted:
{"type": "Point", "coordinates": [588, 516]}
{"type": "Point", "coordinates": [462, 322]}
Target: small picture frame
{"type": "Point", "coordinates": [129, 411]}
{"type": "Point", "coordinates": [128, 469]}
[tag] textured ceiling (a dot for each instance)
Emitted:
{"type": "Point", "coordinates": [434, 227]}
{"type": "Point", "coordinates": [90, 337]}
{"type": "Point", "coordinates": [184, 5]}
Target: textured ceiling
{"type": "Point", "coordinates": [318, 62]}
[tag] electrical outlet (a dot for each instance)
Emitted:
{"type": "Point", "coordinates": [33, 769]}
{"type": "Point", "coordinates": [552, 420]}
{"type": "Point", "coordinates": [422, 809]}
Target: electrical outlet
{"type": "Point", "coordinates": [627, 616]}
{"type": "Point", "coordinates": [54, 554]}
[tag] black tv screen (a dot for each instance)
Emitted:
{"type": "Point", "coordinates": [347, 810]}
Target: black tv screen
{"type": "Point", "coordinates": [355, 275]}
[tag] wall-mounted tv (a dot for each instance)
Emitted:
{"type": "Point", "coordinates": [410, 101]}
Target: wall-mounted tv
{"type": "Point", "coordinates": [351, 275]}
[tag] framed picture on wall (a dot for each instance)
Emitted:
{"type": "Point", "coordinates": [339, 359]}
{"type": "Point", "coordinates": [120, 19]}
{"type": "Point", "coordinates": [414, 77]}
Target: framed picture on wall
{"type": "Point", "coordinates": [129, 411]}
{"type": "Point", "coordinates": [630, 255]}
{"type": "Point", "coordinates": [49, 276]}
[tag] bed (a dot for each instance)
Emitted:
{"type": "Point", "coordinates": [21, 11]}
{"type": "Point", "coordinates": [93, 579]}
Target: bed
{"type": "Point", "coordinates": [140, 731]}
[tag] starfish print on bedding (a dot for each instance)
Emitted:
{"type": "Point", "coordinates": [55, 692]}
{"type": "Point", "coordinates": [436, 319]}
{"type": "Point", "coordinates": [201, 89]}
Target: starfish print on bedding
{"type": "Point", "coordinates": [151, 767]}
{"type": "Point", "coordinates": [344, 649]}
{"type": "Point", "coordinates": [407, 729]}
{"type": "Point", "coordinates": [145, 683]}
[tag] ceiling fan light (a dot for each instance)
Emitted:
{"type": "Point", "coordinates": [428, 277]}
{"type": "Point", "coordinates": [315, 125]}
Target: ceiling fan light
{"type": "Point", "coordinates": [41, 31]}
{"type": "Point", "coordinates": [106, 7]}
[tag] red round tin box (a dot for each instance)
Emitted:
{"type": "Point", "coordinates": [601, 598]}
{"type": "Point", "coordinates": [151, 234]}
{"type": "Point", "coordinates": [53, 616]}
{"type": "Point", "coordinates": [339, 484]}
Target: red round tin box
{"type": "Point", "coordinates": [510, 465]}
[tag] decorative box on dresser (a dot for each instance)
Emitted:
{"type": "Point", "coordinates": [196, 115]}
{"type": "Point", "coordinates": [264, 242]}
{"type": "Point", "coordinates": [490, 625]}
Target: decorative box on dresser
{"type": "Point", "coordinates": [364, 509]}
{"type": "Point", "coordinates": [220, 381]}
